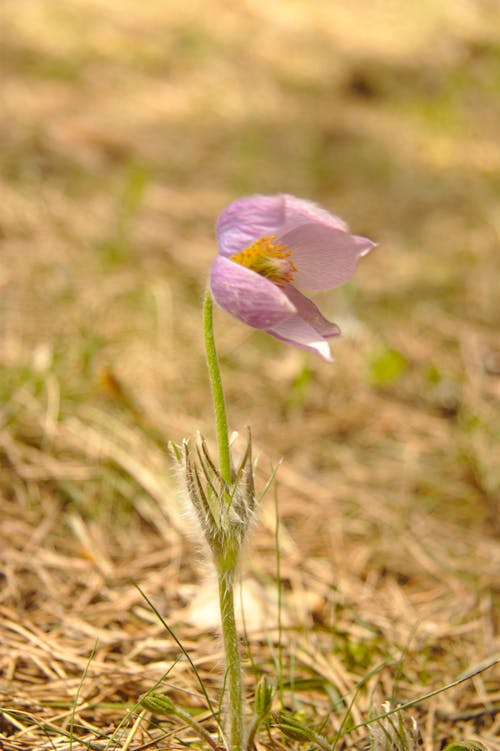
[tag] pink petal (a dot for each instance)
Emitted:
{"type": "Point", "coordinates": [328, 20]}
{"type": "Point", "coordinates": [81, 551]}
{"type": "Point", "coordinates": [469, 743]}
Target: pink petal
{"type": "Point", "coordinates": [296, 331]}
{"type": "Point", "coordinates": [250, 297]}
{"type": "Point", "coordinates": [298, 211]}
{"type": "Point", "coordinates": [310, 313]}
{"type": "Point", "coordinates": [247, 219]}
{"type": "Point", "coordinates": [323, 256]}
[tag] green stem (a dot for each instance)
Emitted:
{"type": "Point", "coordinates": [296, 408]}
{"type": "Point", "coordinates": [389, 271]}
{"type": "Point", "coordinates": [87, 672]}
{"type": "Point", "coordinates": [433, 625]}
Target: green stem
{"type": "Point", "coordinates": [233, 662]}
{"type": "Point", "coordinates": [226, 564]}
{"type": "Point", "coordinates": [217, 391]}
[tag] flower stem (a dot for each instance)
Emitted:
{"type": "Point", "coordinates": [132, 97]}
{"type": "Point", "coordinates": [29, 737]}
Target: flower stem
{"type": "Point", "coordinates": [227, 562]}
{"type": "Point", "coordinates": [233, 662]}
{"type": "Point", "coordinates": [217, 391]}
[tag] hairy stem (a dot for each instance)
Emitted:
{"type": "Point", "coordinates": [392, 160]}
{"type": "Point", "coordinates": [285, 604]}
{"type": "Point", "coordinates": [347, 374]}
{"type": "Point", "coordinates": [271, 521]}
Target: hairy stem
{"type": "Point", "coordinates": [233, 662]}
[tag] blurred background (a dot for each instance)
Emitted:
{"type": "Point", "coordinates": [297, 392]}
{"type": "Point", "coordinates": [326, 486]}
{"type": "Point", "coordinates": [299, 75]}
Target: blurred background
{"type": "Point", "coordinates": [126, 128]}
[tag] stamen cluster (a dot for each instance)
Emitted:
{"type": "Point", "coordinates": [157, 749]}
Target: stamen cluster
{"type": "Point", "coordinates": [269, 258]}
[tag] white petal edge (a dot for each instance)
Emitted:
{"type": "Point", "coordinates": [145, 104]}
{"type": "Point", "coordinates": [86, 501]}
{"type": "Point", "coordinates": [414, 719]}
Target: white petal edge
{"type": "Point", "coordinates": [297, 332]}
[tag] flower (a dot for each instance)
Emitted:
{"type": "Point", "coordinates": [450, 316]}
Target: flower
{"type": "Point", "coordinates": [267, 246]}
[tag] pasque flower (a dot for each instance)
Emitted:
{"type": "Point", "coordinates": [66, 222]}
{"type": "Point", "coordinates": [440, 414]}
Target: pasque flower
{"type": "Point", "coordinates": [269, 246]}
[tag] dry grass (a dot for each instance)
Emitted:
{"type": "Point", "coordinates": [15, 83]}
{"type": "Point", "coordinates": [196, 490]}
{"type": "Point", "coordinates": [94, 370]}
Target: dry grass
{"type": "Point", "coordinates": [127, 127]}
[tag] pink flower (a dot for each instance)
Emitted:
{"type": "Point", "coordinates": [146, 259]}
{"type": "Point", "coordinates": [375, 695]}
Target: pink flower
{"type": "Point", "coordinates": [269, 246]}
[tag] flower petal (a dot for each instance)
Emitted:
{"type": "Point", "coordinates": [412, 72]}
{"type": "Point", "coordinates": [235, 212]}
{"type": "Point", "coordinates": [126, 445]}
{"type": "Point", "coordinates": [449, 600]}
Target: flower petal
{"type": "Point", "coordinates": [250, 297]}
{"type": "Point", "coordinates": [298, 211]}
{"type": "Point", "coordinates": [248, 219]}
{"type": "Point", "coordinates": [323, 256]}
{"type": "Point", "coordinates": [296, 331]}
{"type": "Point", "coordinates": [310, 313]}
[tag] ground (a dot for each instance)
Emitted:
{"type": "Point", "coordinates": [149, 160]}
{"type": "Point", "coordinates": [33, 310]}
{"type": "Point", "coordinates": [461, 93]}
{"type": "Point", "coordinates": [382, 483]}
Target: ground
{"type": "Point", "coordinates": [127, 127]}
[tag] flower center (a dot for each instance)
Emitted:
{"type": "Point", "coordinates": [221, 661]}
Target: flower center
{"type": "Point", "coordinates": [268, 258]}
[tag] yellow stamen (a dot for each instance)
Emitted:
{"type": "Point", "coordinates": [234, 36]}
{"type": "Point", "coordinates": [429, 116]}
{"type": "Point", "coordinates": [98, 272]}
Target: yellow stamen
{"type": "Point", "coordinates": [268, 258]}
